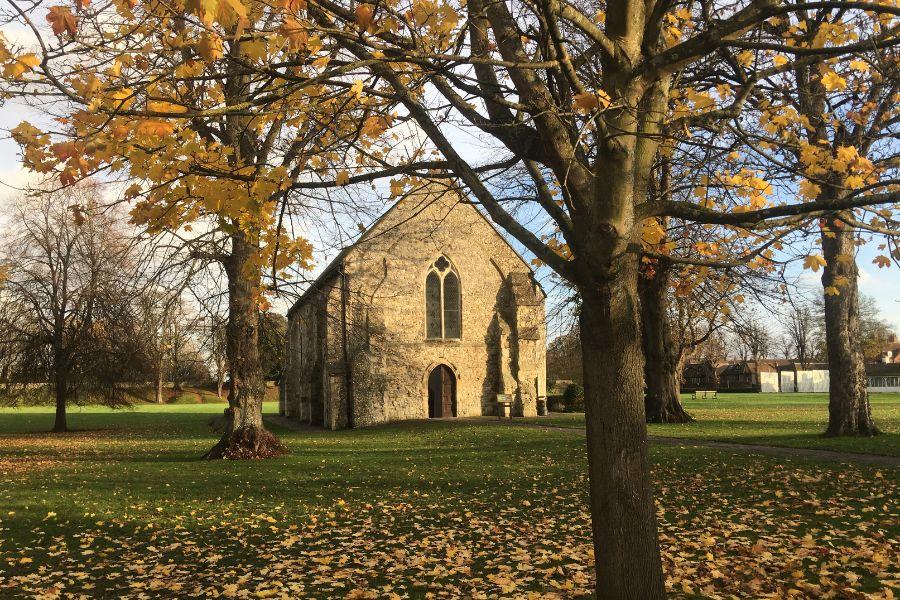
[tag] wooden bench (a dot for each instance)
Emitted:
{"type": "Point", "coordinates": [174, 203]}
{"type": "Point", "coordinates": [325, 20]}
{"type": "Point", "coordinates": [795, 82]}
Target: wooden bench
{"type": "Point", "coordinates": [704, 395]}
{"type": "Point", "coordinates": [504, 406]}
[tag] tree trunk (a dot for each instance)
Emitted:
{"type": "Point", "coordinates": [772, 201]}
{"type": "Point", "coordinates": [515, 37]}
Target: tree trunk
{"type": "Point", "coordinates": [626, 546]}
{"type": "Point", "coordinates": [176, 366]}
{"type": "Point", "coordinates": [661, 357]}
{"type": "Point", "coordinates": [59, 422]}
{"type": "Point", "coordinates": [244, 435]}
{"type": "Point", "coordinates": [849, 413]}
{"type": "Point", "coordinates": [61, 385]}
{"type": "Point", "coordinates": [159, 379]}
{"type": "Point", "coordinates": [220, 379]}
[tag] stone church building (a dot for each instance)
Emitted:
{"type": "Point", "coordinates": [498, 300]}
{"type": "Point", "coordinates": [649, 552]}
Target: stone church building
{"type": "Point", "coordinates": [431, 313]}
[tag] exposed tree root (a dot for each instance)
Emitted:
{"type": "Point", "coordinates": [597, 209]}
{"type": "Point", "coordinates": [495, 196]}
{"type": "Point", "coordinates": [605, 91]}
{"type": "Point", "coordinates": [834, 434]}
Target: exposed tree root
{"type": "Point", "coordinates": [847, 430]}
{"type": "Point", "coordinates": [669, 410]}
{"type": "Point", "coordinates": [247, 443]}
{"type": "Point", "coordinates": [679, 416]}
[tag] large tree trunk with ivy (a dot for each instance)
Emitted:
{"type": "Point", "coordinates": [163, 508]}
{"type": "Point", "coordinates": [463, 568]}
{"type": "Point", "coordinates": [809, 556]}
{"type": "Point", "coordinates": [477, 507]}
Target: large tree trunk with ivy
{"type": "Point", "coordinates": [245, 435]}
{"type": "Point", "coordinates": [849, 413]}
{"type": "Point", "coordinates": [662, 359]}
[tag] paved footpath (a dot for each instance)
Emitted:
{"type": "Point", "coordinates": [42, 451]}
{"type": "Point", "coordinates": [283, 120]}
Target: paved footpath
{"type": "Point", "coordinates": [807, 453]}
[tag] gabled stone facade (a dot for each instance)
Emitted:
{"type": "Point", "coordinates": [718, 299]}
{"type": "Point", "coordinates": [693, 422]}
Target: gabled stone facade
{"type": "Point", "coordinates": [430, 312]}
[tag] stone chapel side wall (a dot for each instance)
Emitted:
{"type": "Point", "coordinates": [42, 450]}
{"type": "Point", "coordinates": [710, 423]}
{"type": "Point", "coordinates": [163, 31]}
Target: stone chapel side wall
{"type": "Point", "coordinates": [287, 374]}
{"type": "Point", "coordinates": [303, 325]}
{"type": "Point", "coordinates": [289, 396]}
{"type": "Point", "coordinates": [530, 335]}
{"type": "Point", "coordinates": [390, 354]}
{"type": "Point", "coordinates": [334, 373]}
{"type": "Point", "coordinates": [306, 382]}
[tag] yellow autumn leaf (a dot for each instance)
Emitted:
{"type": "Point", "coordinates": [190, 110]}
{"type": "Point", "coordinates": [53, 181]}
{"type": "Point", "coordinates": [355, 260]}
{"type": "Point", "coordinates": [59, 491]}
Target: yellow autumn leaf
{"type": "Point", "coordinates": [21, 64]}
{"type": "Point", "coordinates": [831, 81]}
{"type": "Point", "coordinates": [343, 177]}
{"type": "Point", "coordinates": [161, 106]}
{"type": "Point", "coordinates": [357, 88]}
{"type": "Point", "coordinates": [295, 32]}
{"type": "Point", "coordinates": [814, 262]}
{"type": "Point", "coordinates": [745, 58]}
{"type": "Point", "coordinates": [210, 47]}
{"type": "Point", "coordinates": [238, 7]}
{"type": "Point", "coordinates": [810, 190]}
{"type": "Point", "coordinates": [882, 261]}
{"type": "Point", "coordinates": [854, 182]}
{"type": "Point", "coordinates": [154, 128]}
{"type": "Point", "coordinates": [123, 98]}
{"type": "Point", "coordinates": [586, 102]}
{"type": "Point", "coordinates": [365, 17]}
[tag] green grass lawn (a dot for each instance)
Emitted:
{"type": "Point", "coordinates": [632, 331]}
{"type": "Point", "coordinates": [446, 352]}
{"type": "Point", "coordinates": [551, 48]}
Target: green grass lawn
{"type": "Point", "coordinates": [124, 508]}
{"type": "Point", "coordinates": [189, 394]}
{"type": "Point", "coordinates": [199, 395]}
{"type": "Point", "coordinates": [793, 420]}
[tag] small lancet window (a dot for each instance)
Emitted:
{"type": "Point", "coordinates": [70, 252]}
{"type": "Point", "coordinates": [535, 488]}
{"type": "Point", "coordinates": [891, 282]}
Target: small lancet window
{"type": "Point", "coordinates": [443, 301]}
{"type": "Point", "coordinates": [433, 305]}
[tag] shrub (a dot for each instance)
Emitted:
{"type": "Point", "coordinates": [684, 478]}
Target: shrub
{"type": "Point", "coordinates": [573, 396]}
{"type": "Point", "coordinates": [556, 404]}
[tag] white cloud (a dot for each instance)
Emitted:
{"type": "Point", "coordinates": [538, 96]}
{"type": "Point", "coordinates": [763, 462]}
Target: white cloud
{"type": "Point", "coordinates": [19, 36]}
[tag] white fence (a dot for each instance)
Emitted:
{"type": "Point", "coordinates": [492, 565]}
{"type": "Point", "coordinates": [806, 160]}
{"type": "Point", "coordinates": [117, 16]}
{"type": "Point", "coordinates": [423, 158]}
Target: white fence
{"type": "Point", "coordinates": [801, 381]}
{"type": "Point", "coordinates": [768, 382]}
{"type": "Point", "coordinates": [817, 382]}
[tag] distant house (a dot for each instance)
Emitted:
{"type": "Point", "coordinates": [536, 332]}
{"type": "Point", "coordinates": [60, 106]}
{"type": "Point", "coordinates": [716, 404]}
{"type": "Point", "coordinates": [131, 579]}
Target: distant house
{"type": "Point", "coordinates": [776, 375]}
{"type": "Point", "coordinates": [890, 354]}
{"type": "Point", "coordinates": [731, 376]}
{"type": "Point", "coordinates": [749, 376]}
{"type": "Point", "coordinates": [737, 377]}
{"type": "Point", "coordinates": [700, 376]}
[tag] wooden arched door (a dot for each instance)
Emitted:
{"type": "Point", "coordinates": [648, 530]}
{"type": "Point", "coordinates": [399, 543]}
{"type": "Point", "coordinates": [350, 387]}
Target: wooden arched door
{"type": "Point", "coordinates": [441, 392]}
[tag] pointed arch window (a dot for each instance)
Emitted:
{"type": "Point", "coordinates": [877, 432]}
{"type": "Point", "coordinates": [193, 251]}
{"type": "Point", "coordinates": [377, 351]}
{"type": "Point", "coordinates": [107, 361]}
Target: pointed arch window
{"type": "Point", "coordinates": [443, 301]}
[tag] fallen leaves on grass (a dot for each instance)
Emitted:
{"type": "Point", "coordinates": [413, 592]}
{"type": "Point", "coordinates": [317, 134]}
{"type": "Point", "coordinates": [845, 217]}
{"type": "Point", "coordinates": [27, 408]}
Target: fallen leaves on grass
{"type": "Point", "coordinates": [445, 524]}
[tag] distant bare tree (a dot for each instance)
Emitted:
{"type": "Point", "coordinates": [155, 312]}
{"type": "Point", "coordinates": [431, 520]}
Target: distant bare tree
{"type": "Point", "coordinates": [714, 349]}
{"type": "Point", "coordinates": [67, 322]}
{"type": "Point", "coordinates": [272, 332]}
{"type": "Point", "coordinates": [564, 357]}
{"type": "Point", "coordinates": [800, 326]}
{"type": "Point", "coordinates": [753, 339]}
{"type": "Point", "coordinates": [216, 351]}
{"type": "Point", "coordinates": [874, 331]}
